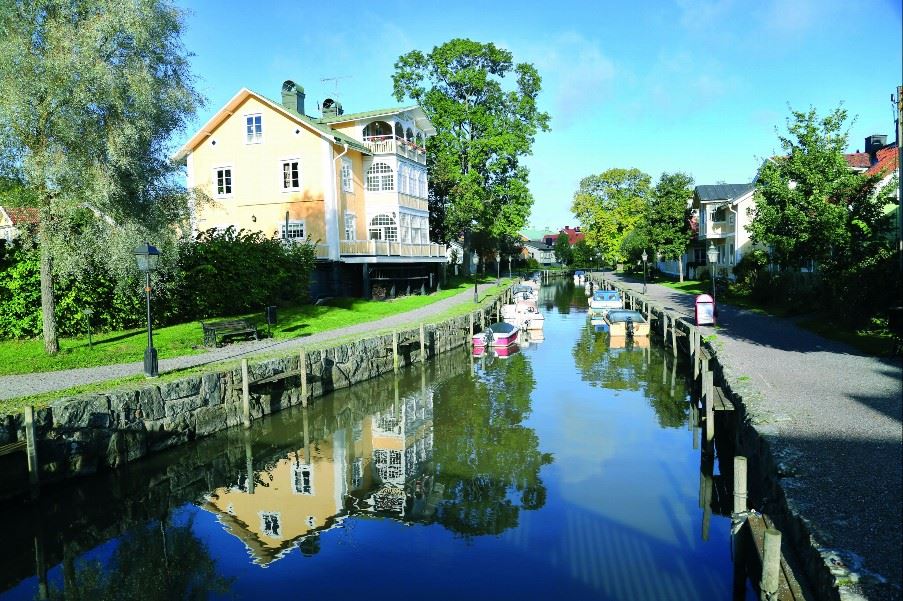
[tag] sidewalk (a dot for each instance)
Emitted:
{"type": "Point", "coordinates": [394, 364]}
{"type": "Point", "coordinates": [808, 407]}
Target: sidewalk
{"type": "Point", "coordinates": [36, 383]}
{"type": "Point", "coordinates": [833, 419]}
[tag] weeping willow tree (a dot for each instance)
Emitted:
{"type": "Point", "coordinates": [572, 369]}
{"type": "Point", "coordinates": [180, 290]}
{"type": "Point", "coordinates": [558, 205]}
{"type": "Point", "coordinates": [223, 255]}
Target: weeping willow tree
{"type": "Point", "coordinates": [92, 92]}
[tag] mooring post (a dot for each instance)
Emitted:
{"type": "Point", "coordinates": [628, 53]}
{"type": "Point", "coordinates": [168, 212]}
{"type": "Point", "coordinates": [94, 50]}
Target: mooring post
{"type": "Point", "coordinates": [422, 344]}
{"type": "Point", "coordinates": [245, 395]}
{"type": "Point", "coordinates": [31, 448]}
{"type": "Point", "coordinates": [302, 366]}
{"type": "Point", "coordinates": [482, 318]}
{"type": "Point", "coordinates": [739, 484]}
{"type": "Point", "coordinates": [664, 325]}
{"type": "Point", "coordinates": [470, 332]}
{"type": "Point", "coordinates": [249, 463]}
{"type": "Point", "coordinates": [707, 485]}
{"type": "Point", "coordinates": [674, 337]}
{"type": "Point", "coordinates": [395, 351]}
{"type": "Point", "coordinates": [771, 565]}
{"type": "Point", "coordinates": [709, 406]}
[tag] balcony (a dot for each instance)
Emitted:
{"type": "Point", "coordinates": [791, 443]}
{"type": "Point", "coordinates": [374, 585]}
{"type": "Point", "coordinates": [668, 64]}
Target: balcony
{"type": "Point", "coordinates": [395, 145]}
{"type": "Point", "coordinates": [386, 248]}
{"type": "Point", "coordinates": [413, 202]}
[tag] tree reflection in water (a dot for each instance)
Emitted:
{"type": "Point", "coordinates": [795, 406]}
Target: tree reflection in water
{"type": "Point", "coordinates": [487, 461]}
{"type": "Point", "coordinates": [156, 561]}
{"type": "Point", "coordinates": [633, 368]}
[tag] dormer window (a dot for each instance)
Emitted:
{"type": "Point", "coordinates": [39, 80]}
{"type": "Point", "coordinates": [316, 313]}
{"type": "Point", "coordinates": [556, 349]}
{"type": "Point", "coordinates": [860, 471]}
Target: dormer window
{"type": "Point", "coordinates": [253, 129]}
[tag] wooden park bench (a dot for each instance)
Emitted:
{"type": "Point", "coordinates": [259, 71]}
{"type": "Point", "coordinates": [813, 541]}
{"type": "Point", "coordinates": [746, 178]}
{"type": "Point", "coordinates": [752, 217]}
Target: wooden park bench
{"type": "Point", "coordinates": [227, 329]}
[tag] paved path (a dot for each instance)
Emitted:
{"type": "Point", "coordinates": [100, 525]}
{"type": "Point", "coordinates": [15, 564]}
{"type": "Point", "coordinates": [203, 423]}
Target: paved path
{"type": "Point", "coordinates": [833, 419]}
{"type": "Point", "coordinates": [36, 383]}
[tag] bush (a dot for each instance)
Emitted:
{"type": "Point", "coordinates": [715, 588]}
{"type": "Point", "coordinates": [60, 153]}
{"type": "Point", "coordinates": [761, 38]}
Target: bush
{"type": "Point", "coordinates": [218, 274]}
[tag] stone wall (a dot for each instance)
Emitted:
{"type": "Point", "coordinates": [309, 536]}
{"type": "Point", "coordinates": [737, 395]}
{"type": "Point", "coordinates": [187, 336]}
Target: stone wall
{"type": "Point", "coordinates": [88, 433]}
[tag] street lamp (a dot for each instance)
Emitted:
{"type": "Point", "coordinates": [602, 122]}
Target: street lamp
{"type": "Point", "coordinates": [645, 258]}
{"type": "Point", "coordinates": [498, 268]}
{"type": "Point", "coordinates": [147, 258]}
{"type": "Point", "coordinates": [713, 256]}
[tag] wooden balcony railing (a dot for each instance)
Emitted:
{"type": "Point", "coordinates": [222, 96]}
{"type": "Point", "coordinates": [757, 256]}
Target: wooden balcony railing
{"type": "Point", "coordinates": [393, 145]}
{"type": "Point", "coordinates": [386, 248]}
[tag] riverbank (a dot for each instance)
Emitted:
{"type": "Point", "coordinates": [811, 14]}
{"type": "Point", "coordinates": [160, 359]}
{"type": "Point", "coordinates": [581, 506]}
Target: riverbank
{"type": "Point", "coordinates": [832, 419]}
{"type": "Point", "coordinates": [33, 388]}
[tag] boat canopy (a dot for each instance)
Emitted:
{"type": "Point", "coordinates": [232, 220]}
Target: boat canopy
{"type": "Point", "coordinates": [502, 328]}
{"type": "Point", "coordinates": [606, 295]}
{"type": "Point", "coordinates": [619, 315]}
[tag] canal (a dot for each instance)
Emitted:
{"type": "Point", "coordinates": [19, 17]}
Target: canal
{"type": "Point", "coordinates": [566, 470]}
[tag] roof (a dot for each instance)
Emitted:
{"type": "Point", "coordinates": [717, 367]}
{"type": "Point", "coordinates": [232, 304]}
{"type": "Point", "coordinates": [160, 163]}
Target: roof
{"type": "Point", "coordinates": [533, 234]}
{"type": "Point", "coordinates": [226, 111]}
{"type": "Point", "coordinates": [858, 160]}
{"type": "Point", "coordinates": [22, 215]}
{"type": "Point", "coordinates": [420, 117]}
{"type": "Point", "coordinates": [885, 160]}
{"type": "Point", "coordinates": [723, 191]}
{"type": "Point", "coordinates": [537, 244]}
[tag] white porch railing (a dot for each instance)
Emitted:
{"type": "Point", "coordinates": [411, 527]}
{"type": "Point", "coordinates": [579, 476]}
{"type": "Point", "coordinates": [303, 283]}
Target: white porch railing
{"type": "Point", "coordinates": [385, 248]}
{"type": "Point", "coordinates": [393, 145]}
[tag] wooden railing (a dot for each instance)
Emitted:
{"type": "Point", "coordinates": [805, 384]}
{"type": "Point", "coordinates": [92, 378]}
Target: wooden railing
{"type": "Point", "coordinates": [413, 202]}
{"type": "Point", "coordinates": [393, 145]}
{"type": "Point", "coordinates": [386, 248]}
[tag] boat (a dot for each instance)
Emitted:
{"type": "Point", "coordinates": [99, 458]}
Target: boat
{"type": "Point", "coordinates": [524, 315]}
{"type": "Point", "coordinates": [527, 298]}
{"type": "Point", "coordinates": [603, 301]}
{"type": "Point", "coordinates": [579, 276]}
{"type": "Point", "coordinates": [497, 335]}
{"type": "Point", "coordinates": [624, 322]}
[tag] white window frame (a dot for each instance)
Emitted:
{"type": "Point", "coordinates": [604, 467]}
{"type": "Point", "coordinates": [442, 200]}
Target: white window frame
{"type": "Point", "coordinates": [296, 470]}
{"type": "Point", "coordinates": [381, 180]}
{"type": "Point", "coordinates": [254, 135]}
{"type": "Point", "coordinates": [347, 176]}
{"type": "Point", "coordinates": [292, 230]}
{"type": "Point", "coordinates": [276, 519]}
{"type": "Point", "coordinates": [231, 182]}
{"type": "Point", "coordinates": [350, 226]}
{"type": "Point", "coordinates": [290, 188]}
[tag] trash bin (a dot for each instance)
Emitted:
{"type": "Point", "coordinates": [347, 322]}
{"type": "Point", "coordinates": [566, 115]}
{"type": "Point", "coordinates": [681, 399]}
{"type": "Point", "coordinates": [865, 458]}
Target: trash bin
{"type": "Point", "coordinates": [705, 310]}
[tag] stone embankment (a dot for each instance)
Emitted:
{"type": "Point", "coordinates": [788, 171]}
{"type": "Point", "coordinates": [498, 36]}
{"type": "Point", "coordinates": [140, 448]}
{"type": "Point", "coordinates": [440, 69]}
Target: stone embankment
{"type": "Point", "coordinates": [88, 433]}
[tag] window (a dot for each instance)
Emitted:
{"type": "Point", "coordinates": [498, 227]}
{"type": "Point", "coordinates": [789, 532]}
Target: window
{"type": "Point", "coordinates": [223, 181]}
{"type": "Point", "coordinates": [347, 181]}
{"type": "Point", "coordinates": [253, 129]}
{"type": "Point", "coordinates": [295, 230]}
{"type": "Point", "coordinates": [383, 227]}
{"type": "Point", "coordinates": [403, 179]}
{"type": "Point", "coordinates": [269, 524]}
{"type": "Point", "coordinates": [291, 175]}
{"type": "Point", "coordinates": [718, 214]}
{"type": "Point", "coordinates": [380, 178]}
{"type": "Point", "coordinates": [730, 218]}
{"type": "Point", "coordinates": [350, 226]}
{"type": "Point", "coordinates": [302, 479]}
{"type": "Point", "coordinates": [357, 473]}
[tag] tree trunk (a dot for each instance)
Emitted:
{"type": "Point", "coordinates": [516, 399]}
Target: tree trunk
{"type": "Point", "coordinates": [48, 300]}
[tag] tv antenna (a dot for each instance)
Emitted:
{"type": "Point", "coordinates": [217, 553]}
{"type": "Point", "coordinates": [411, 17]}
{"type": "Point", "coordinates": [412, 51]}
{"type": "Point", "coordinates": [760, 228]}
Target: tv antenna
{"type": "Point", "coordinates": [335, 82]}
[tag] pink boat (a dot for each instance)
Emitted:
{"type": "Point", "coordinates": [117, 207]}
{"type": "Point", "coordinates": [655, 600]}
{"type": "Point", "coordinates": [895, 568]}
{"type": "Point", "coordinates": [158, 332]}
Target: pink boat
{"type": "Point", "coordinates": [498, 335]}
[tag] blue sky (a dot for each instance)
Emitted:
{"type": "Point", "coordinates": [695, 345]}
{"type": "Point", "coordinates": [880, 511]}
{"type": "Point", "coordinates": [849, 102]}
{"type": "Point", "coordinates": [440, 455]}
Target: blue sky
{"type": "Point", "coordinates": [695, 86]}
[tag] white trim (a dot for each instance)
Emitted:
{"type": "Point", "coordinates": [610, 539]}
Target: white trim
{"type": "Point", "coordinates": [231, 183]}
{"type": "Point", "coordinates": [291, 222]}
{"type": "Point", "coordinates": [256, 138]}
{"type": "Point", "coordinates": [296, 468]}
{"type": "Point", "coordinates": [345, 218]}
{"type": "Point", "coordinates": [282, 163]}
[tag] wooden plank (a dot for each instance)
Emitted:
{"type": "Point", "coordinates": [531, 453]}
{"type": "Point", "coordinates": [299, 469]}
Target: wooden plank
{"type": "Point", "coordinates": [722, 403]}
{"type": "Point", "coordinates": [13, 447]}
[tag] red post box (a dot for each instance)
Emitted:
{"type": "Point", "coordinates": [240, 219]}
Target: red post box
{"type": "Point", "coordinates": [705, 310]}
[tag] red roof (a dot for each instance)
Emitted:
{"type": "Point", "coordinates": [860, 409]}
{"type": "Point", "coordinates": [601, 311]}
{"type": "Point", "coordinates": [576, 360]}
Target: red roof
{"type": "Point", "coordinates": [858, 160]}
{"type": "Point", "coordinates": [886, 160]}
{"type": "Point", "coordinates": [20, 215]}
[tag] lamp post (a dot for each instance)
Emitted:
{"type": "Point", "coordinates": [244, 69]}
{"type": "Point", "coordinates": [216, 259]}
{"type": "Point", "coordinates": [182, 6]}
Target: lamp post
{"type": "Point", "coordinates": [509, 267]}
{"type": "Point", "coordinates": [475, 260]}
{"type": "Point", "coordinates": [645, 258]}
{"type": "Point", "coordinates": [713, 256]}
{"type": "Point", "coordinates": [498, 268]}
{"type": "Point", "coordinates": [147, 258]}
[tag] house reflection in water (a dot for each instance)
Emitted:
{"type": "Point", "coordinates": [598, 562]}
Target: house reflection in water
{"type": "Point", "coordinates": [379, 464]}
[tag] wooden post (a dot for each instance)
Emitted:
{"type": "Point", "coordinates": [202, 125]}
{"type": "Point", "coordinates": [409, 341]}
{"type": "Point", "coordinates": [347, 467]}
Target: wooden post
{"type": "Point", "coordinates": [422, 345]}
{"type": "Point", "coordinates": [709, 406]}
{"type": "Point", "coordinates": [470, 332]}
{"type": "Point", "coordinates": [771, 564]}
{"type": "Point", "coordinates": [482, 318]}
{"type": "Point", "coordinates": [302, 366]}
{"type": "Point", "coordinates": [674, 337]}
{"type": "Point", "coordinates": [245, 395]}
{"type": "Point", "coordinates": [31, 448]}
{"type": "Point", "coordinates": [249, 464]}
{"type": "Point", "coordinates": [395, 351]}
{"type": "Point", "coordinates": [707, 505]}
{"type": "Point", "coordinates": [739, 484]}
{"type": "Point", "coordinates": [664, 325]}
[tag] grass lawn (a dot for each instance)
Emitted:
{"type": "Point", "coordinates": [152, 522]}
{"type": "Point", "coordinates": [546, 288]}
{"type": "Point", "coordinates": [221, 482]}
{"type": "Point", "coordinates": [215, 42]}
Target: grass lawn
{"type": "Point", "coordinates": [874, 341]}
{"type": "Point", "coordinates": [399, 305]}
{"type": "Point", "coordinates": [27, 356]}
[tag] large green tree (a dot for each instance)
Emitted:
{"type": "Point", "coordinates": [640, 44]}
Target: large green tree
{"type": "Point", "coordinates": [809, 205]}
{"type": "Point", "coordinates": [92, 91]}
{"type": "Point", "coordinates": [609, 206]}
{"type": "Point", "coordinates": [483, 107]}
{"type": "Point", "coordinates": [667, 221]}
{"type": "Point", "coordinates": [563, 252]}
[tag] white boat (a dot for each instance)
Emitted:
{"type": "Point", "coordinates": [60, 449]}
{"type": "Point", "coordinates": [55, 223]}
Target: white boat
{"type": "Point", "coordinates": [603, 301]}
{"type": "Point", "coordinates": [624, 322]}
{"type": "Point", "coordinates": [524, 315]}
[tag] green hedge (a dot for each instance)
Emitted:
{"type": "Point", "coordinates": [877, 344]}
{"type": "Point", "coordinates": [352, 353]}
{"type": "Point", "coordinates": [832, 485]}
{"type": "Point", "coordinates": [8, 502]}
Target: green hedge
{"type": "Point", "coordinates": [218, 274]}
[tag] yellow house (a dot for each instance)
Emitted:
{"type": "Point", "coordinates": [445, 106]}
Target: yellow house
{"type": "Point", "coordinates": [355, 184]}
